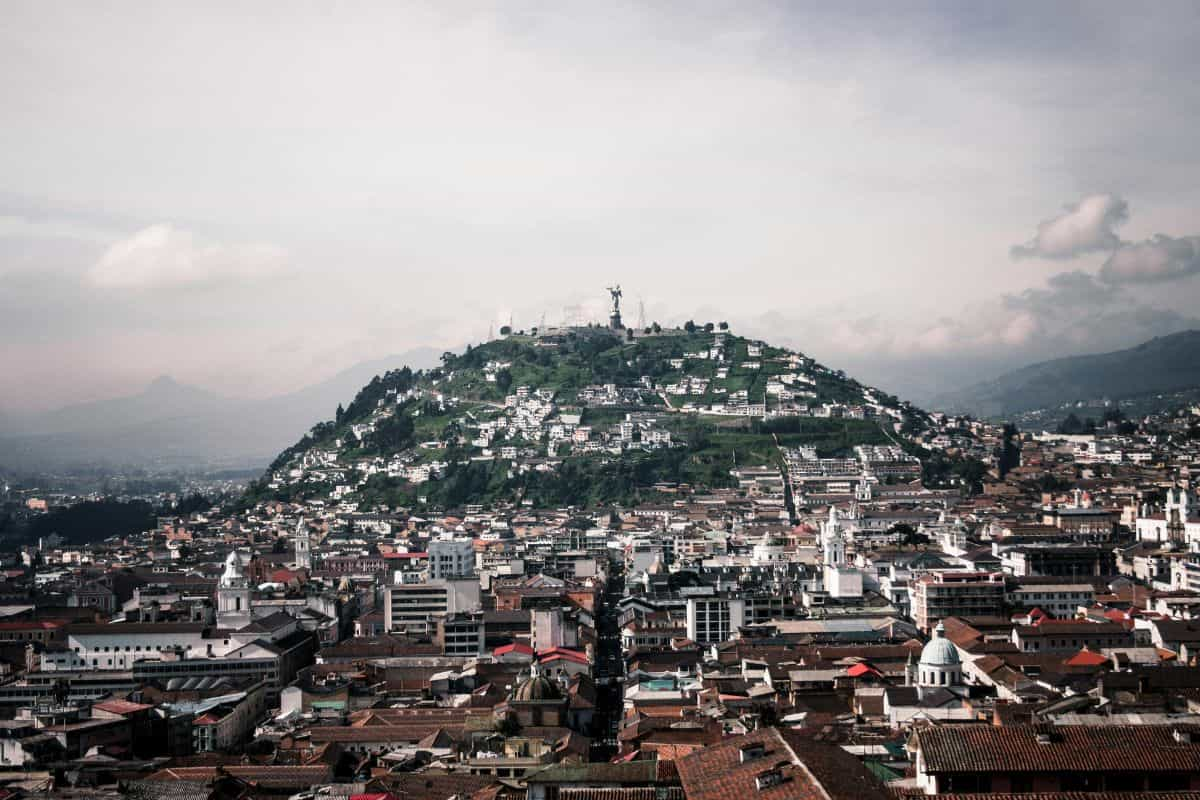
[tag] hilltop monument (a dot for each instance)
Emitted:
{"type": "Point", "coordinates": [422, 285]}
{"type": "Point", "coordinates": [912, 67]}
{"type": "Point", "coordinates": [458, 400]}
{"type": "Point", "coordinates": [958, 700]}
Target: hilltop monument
{"type": "Point", "coordinates": [614, 316]}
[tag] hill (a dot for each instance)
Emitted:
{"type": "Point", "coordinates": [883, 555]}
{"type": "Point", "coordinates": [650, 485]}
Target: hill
{"type": "Point", "coordinates": [169, 424]}
{"type": "Point", "coordinates": [579, 416]}
{"type": "Point", "coordinates": [1167, 364]}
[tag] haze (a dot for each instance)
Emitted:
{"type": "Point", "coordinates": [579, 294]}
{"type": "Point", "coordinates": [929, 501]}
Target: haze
{"type": "Point", "coordinates": [251, 198]}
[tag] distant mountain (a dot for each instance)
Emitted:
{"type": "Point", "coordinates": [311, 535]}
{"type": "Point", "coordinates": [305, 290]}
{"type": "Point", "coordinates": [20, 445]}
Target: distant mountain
{"type": "Point", "coordinates": [1162, 365]}
{"type": "Point", "coordinates": [170, 424]}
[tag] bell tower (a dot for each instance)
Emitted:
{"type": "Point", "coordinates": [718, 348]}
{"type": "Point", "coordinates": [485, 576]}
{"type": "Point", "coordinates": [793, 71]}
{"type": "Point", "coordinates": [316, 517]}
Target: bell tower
{"type": "Point", "coordinates": [233, 595]}
{"type": "Point", "coordinates": [302, 547]}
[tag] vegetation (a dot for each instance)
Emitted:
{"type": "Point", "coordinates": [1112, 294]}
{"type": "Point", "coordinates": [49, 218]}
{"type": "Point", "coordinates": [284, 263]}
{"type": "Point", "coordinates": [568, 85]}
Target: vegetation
{"type": "Point", "coordinates": [706, 448]}
{"type": "Point", "coordinates": [94, 521]}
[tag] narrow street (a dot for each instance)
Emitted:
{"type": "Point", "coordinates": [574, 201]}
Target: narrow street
{"type": "Point", "coordinates": [610, 670]}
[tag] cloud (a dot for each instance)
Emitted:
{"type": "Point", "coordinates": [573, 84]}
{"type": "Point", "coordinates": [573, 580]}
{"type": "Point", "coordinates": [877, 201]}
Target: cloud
{"type": "Point", "coordinates": [1161, 258]}
{"type": "Point", "coordinates": [1085, 227]}
{"type": "Point", "coordinates": [162, 256]}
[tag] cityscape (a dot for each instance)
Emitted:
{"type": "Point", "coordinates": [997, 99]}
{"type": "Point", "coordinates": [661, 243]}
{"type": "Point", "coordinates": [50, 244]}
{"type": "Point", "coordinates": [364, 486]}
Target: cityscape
{"type": "Point", "coordinates": [759, 514]}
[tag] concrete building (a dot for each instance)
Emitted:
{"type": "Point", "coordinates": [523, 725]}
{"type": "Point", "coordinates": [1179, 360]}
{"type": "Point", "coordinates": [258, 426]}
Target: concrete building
{"type": "Point", "coordinates": [413, 607]}
{"type": "Point", "coordinates": [711, 620]}
{"type": "Point", "coordinates": [451, 558]}
{"type": "Point", "coordinates": [939, 595]}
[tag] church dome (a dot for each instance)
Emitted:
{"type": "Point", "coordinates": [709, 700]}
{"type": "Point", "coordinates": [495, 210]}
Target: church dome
{"type": "Point", "coordinates": [939, 652]}
{"type": "Point", "coordinates": [536, 688]}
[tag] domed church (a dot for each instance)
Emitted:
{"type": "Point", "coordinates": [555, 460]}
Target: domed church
{"type": "Point", "coordinates": [940, 665]}
{"type": "Point", "coordinates": [536, 701]}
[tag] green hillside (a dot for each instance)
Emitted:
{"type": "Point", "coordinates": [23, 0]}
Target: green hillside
{"type": "Point", "coordinates": [580, 416]}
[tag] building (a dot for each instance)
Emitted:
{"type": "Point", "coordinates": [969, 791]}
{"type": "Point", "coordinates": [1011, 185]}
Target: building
{"type": "Point", "coordinates": [1058, 561]}
{"type": "Point", "coordinates": [940, 665]}
{"type": "Point", "coordinates": [233, 594]}
{"type": "Point", "coordinates": [412, 607]}
{"type": "Point", "coordinates": [776, 763]}
{"type": "Point", "coordinates": [1070, 636]}
{"type": "Point", "coordinates": [224, 723]}
{"type": "Point", "coordinates": [939, 595]}
{"type": "Point", "coordinates": [1062, 600]}
{"type": "Point", "coordinates": [460, 634]}
{"type": "Point", "coordinates": [302, 547]}
{"type": "Point", "coordinates": [1019, 759]}
{"type": "Point", "coordinates": [451, 558]}
{"type": "Point", "coordinates": [711, 620]}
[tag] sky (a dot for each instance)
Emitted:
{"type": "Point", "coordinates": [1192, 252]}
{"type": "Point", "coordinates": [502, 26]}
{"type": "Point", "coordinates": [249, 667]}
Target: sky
{"type": "Point", "coordinates": [252, 197]}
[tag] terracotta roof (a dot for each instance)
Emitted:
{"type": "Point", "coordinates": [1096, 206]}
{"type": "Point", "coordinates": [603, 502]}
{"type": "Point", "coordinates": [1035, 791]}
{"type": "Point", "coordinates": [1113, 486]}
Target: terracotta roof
{"type": "Point", "coordinates": [1074, 796]}
{"type": "Point", "coordinates": [555, 653]}
{"type": "Point", "coordinates": [1087, 658]}
{"type": "Point", "coordinates": [805, 769]}
{"type": "Point", "coordinates": [121, 706]}
{"type": "Point", "coordinates": [272, 776]}
{"type": "Point", "coordinates": [1077, 748]}
{"type": "Point", "coordinates": [515, 647]}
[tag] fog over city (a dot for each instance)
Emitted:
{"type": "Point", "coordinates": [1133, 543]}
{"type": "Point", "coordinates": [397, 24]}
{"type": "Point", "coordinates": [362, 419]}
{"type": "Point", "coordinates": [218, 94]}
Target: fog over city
{"type": "Point", "coordinates": [251, 200]}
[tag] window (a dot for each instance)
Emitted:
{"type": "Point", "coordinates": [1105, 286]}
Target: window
{"type": "Point", "coordinates": [1124, 782]}
{"type": "Point", "coordinates": [1168, 782]}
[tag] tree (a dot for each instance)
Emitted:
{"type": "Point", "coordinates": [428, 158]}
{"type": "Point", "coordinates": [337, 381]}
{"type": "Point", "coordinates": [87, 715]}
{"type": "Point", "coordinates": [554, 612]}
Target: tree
{"type": "Point", "coordinates": [708, 327]}
{"type": "Point", "coordinates": [656, 328]}
{"type": "Point", "coordinates": [723, 326]}
{"type": "Point", "coordinates": [689, 326]}
{"type": "Point", "coordinates": [503, 380]}
{"type": "Point", "coordinates": [907, 534]}
{"type": "Point", "coordinates": [629, 334]}
{"type": "Point", "coordinates": [393, 433]}
{"type": "Point", "coordinates": [340, 415]}
{"type": "Point", "coordinates": [1010, 452]}
{"type": "Point", "coordinates": [505, 330]}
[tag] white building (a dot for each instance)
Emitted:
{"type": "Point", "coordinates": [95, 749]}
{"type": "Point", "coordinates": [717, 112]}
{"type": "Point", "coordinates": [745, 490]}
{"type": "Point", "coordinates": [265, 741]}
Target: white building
{"type": "Point", "coordinates": [711, 620]}
{"type": "Point", "coordinates": [412, 607]}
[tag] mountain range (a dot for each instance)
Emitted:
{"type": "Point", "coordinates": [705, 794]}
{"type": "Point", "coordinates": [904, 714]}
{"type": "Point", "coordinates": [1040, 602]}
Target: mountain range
{"type": "Point", "coordinates": [171, 425]}
{"type": "Point", "coordinates": [1166, 364]}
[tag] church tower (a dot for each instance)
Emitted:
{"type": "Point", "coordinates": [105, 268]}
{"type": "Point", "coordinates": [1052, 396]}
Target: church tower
{"type": "Point", "coordinates": [832, 540]}
{"type": "Point", "coordinates": [302, 547]}
{"type": "Point", "coordinates": [233, 595]}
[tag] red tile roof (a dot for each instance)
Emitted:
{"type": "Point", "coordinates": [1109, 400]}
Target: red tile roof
{"type": "Point", "coordinates": [1072, 748]}
{"type": "Point", "coordinates": [515, 647]}
{"type": "Point", "coordinates": [554, 653]}
{"type": "Point", "coordinates": [1087, 658]}
{"type": "Point", "coordinates": [808, 771]}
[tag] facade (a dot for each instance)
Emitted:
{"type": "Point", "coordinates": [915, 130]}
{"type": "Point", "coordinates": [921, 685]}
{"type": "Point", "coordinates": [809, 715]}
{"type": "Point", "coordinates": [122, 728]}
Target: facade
{"type": "Point", "coordinates": [413, 607]}
{"type": "Point", "coordinates": [956, 594]}
{"type": "Point", "coordinates": [460, 634]}
{"type": "Point", "coordinates": [711, 620]}
{"type": "Point", "coordinates": [1069, 636]}
{"type": "Point", "coordinates": [451, 558]}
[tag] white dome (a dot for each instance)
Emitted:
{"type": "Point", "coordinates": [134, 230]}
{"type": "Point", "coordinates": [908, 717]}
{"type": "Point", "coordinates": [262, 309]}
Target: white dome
{"type": "Point", "coordinates": [939, 652]}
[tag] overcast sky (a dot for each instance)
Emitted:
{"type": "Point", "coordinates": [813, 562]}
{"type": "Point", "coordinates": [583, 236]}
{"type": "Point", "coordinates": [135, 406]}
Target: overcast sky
{"type": "Point", "coordinates": [251, 197]}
